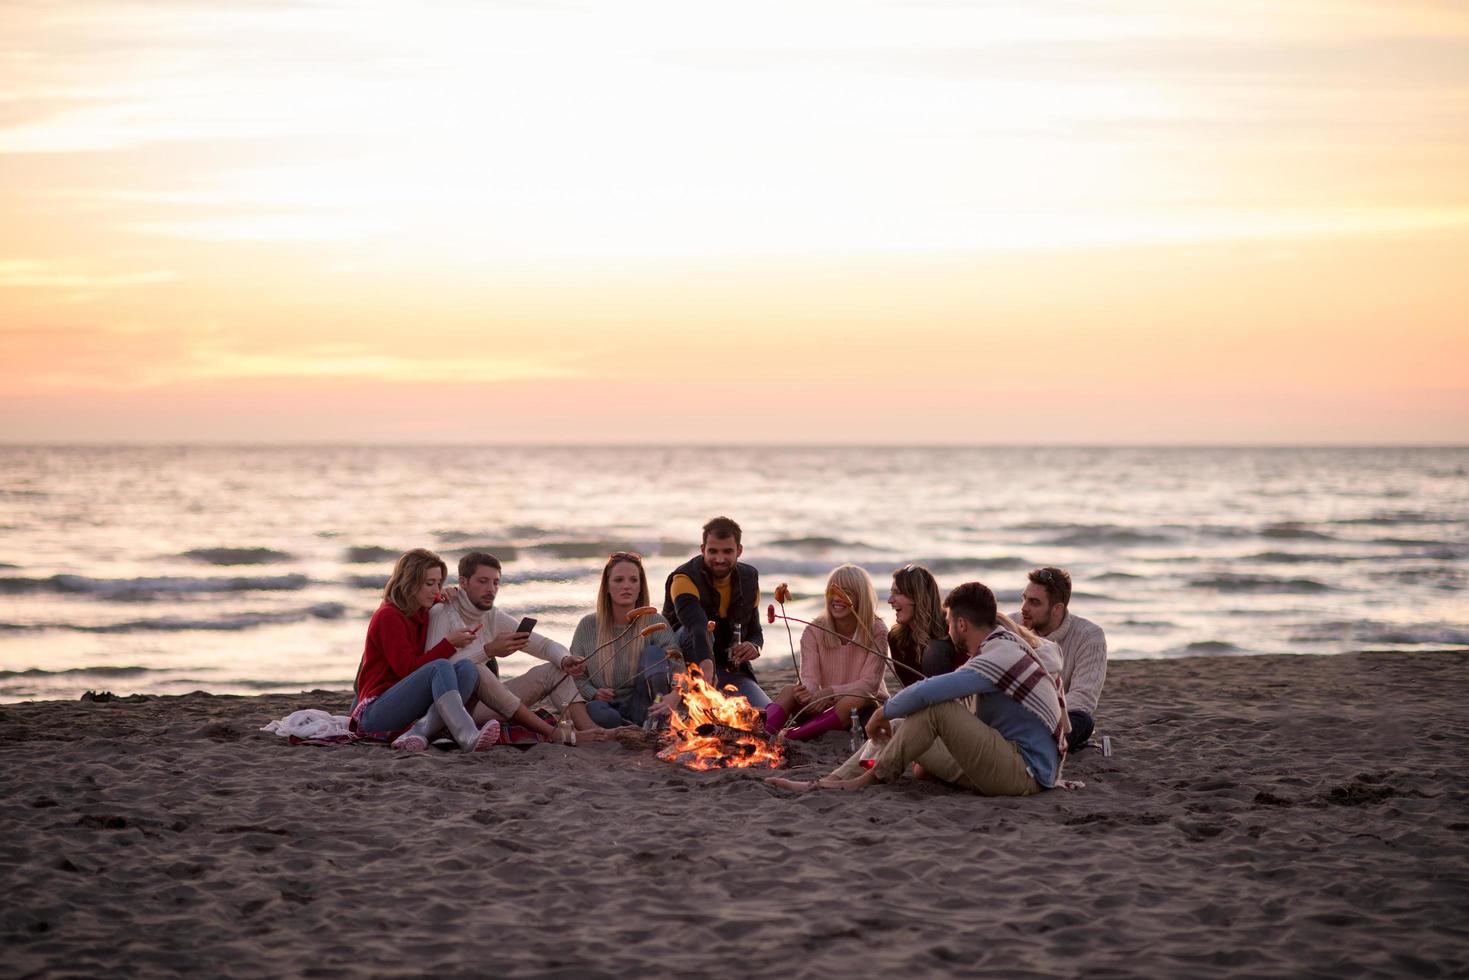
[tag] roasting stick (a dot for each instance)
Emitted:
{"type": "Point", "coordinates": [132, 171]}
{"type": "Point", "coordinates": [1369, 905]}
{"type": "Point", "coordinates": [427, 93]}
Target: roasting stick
{"type": "Point", "coordinates": [782, 593]}
{"type": "Point", "coordinates": [771, 616]}
{"type": "Point", "coordinates": [633, 615]}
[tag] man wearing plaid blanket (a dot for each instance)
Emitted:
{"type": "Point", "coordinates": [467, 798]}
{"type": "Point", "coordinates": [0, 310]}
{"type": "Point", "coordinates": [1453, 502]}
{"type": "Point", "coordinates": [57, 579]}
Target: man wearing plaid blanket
{"type": "Point", "coordinates": [1012, 744]}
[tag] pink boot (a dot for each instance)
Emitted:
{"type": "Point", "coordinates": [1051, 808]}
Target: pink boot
{"type": "Point", "coordinates": [827, 721]}
{"type": "Point", "coordinates": [775, 716]}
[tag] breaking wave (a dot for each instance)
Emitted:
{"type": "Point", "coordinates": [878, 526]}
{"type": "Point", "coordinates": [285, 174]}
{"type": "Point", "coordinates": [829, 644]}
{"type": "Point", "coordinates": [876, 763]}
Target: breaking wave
{"type": "Point", "coordinates": [174, 624]}
{"type": "Point", "coordinates": [237, 556]}
{"type": "Point", "coordinates": [1233, 582]}
{"type": "Point", "coordinates": [369, 553]}
{"type": "Point", "coordinates": [142, 588]}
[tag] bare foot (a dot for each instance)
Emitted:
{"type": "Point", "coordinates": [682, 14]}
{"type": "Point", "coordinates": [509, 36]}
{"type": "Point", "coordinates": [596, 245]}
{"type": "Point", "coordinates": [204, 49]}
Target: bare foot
{"type": "Point", "coordinates": [860, 782]}
{"type": "Point", "coordinates": [794, 785]}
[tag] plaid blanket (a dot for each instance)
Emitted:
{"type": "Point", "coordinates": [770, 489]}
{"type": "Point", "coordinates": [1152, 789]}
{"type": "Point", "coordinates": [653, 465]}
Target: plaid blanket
{"type": "Point", "coordinates": [1012, 666]}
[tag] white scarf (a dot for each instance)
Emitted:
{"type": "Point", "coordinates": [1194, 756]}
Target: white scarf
{"type": "Point", "coordinates": [469, 613]}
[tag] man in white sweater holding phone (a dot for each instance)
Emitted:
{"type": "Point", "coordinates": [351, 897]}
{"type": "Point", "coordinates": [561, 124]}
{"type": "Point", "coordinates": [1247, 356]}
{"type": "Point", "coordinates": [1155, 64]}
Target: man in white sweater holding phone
{"type": "Point", "coordinates": [498, 634]}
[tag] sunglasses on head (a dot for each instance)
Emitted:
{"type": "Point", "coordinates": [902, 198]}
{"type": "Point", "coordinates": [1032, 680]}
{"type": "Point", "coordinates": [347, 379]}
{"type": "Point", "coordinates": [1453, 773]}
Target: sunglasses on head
{"type": "Point", "coordinates": [625, 556]}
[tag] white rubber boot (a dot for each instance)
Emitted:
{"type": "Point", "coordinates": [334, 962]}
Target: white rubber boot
{"type": "Point", "coordinates": [471, 737]}
{"type": "Point", "coordinates": [416, 739]}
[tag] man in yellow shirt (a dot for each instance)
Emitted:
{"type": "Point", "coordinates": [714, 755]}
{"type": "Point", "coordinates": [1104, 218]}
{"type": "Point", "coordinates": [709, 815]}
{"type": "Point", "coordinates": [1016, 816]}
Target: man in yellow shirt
{"type": "Point", "coordinates": [715, 586]}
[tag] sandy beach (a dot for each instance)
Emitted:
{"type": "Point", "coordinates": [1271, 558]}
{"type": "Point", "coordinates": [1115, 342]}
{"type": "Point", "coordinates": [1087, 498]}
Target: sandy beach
{"type": "Point", "coordinates": [1268, 816]}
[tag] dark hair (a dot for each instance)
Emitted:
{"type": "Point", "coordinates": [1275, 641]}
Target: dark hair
{"type": "Point", "coordinates": [720, 527]}
{"type": "Point", "coordinates": [973, 602]}
{"type": "Point", "coordinates": [1056, 582]}
{"type": "Point", "coordinates": [471, 562]}
{"type": "Point", "coordinates": [907, 641]}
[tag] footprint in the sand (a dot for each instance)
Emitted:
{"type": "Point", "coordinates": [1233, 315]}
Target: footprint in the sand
{"type": "Point", "coordinates": [1201, 831]}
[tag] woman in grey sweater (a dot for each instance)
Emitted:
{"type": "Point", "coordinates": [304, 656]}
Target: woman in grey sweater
{"type": "Point", "coordinates": [622, 654]}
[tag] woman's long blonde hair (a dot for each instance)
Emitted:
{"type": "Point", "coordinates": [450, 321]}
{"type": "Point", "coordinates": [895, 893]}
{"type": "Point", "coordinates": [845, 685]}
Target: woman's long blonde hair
{"type": "Point", "coordinates": [857, 584]}
{"type": "Point", "coordinates": [607, 628]}
{"type": "Point", "coordinates": [408, 574]}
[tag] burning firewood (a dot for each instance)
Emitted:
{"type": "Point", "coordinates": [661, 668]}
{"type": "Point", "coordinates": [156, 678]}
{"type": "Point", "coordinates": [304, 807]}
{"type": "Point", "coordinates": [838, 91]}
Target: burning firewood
{"type": "Point", "coordinates": [715, 730]}
{"type": "Point", "coordinates": [712, 729]}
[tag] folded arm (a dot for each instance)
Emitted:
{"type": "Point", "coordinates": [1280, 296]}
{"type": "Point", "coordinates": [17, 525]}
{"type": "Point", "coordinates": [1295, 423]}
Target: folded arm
{"type": "Point", "coordinates": [399, 644]}
{"type": "Point", "coordinates": [869, 681]}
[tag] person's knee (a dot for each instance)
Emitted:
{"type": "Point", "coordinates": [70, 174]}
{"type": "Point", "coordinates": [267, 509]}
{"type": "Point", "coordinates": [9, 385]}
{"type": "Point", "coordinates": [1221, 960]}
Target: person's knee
{"type": "Point", "coordinates": [604, 714]}
{"type": "Point", "coordinates": [466, 676]}
{"type": "Point", "coordinates": [935, 716]}
{"type": "Point", "coordinates": [653, 662]}
{"type": "Point", "coordinates": [753, 692]}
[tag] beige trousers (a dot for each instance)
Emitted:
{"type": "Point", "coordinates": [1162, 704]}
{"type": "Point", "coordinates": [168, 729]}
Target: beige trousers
{"type": "Point", "coordinates": [853, 766]}
{"type": "Point", "coordinates": [544, 683]}
{"type": "Point", "coordinates": [950, 743]}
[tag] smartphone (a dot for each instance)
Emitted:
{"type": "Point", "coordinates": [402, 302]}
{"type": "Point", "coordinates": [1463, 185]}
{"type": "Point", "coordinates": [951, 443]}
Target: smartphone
{"type": "Point", "coordinates": [527, 625]}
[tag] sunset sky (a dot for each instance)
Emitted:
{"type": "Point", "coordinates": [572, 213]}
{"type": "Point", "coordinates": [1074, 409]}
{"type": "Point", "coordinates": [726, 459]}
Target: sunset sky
{"type": "Point", "coordinates": [1238, 221]}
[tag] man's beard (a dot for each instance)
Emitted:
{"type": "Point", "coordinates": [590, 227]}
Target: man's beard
{"type": "Point", "coordinates": [481, 606]}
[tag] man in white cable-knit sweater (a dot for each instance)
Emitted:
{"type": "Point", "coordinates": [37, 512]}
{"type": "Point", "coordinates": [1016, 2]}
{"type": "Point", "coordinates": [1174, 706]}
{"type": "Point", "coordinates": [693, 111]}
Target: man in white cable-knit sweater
{"type": "Point", "coordinates": [1046, 608]}
{"type": "Point", "coordinates": [472, 606]}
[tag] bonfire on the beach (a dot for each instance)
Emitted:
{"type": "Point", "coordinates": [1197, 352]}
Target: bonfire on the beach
{"type": "Point", "coordinates": [716, 730]}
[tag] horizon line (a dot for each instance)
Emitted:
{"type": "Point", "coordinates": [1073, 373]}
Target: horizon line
{"type": "Point", "coordinates": [344, 444]}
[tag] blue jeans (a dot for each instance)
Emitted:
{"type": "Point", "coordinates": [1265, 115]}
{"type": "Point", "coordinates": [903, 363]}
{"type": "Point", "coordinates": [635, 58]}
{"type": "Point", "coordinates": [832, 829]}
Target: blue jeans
{"type": "Point", "coordinates": [632, 707]}
{"type": "Point", "coordinates": [1081, 730]}
{"type": "Point", "coordinates": [744, 682]}
{"type": "Point", "coordinates": [409, 699]}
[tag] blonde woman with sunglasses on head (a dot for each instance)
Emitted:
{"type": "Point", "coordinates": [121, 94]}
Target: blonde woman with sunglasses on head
{"type": "Point", "coordinates": [839, 673]}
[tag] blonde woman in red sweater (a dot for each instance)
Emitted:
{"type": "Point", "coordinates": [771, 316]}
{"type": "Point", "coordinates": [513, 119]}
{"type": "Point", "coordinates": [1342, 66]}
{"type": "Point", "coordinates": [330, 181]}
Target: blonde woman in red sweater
{"type": "Point", "coordinates": [839, 673]}
{"type": "Point", "coordinates": [400, 685]}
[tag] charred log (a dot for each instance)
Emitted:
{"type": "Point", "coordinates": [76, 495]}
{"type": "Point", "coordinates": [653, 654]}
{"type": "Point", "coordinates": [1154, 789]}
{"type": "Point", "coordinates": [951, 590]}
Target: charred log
{"type": "Point", "coordinates": [728, 733]}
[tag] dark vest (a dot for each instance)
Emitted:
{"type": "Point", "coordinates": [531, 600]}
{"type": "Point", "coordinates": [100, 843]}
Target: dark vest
{"type": "Point", "coordinates": [744, 592]}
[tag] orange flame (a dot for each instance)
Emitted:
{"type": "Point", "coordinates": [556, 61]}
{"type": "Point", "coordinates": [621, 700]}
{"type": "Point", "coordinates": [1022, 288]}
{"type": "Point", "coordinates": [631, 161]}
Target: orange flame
{"type": "Point", "coordinates": [739, 747]}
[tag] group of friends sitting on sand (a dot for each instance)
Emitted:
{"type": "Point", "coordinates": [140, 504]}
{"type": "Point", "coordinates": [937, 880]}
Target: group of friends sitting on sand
{"type": "Point", "coordinates": [985, 703]}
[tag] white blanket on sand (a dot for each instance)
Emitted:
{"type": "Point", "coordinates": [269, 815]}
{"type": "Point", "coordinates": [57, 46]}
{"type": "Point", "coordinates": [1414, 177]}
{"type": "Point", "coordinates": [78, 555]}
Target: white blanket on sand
{"type": "Point", "coordinates": [309, 723]}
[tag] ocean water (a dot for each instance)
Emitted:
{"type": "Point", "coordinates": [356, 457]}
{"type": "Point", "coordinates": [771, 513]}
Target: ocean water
{"type": "Point", "coordinates": [246, 570]}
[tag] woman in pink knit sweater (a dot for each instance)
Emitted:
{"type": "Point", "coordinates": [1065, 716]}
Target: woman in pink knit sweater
{"type": "Point", "coordinates": [838, 671]}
